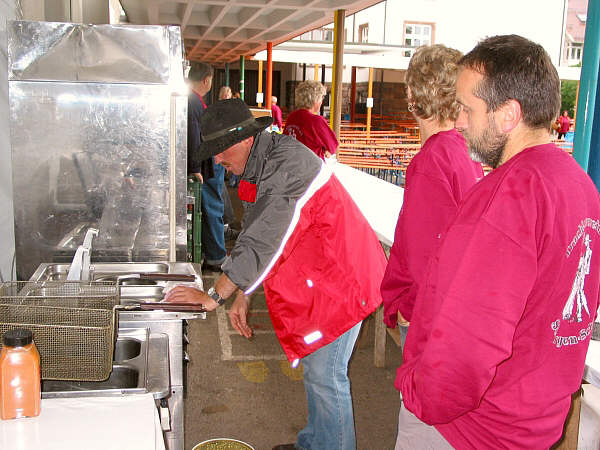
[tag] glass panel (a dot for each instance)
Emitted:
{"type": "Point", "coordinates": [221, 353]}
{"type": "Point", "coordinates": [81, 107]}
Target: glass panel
{"type": "Point", "coordinates": [407, 53]}
{"type": "Point", "coordinates": [417, 29]}
{"type": "Point", "coordinates": [417, 42]}
{"type": "Point", "coordinates": [409, 29]}
{"type": "Point", "coordinates": [426, 30]}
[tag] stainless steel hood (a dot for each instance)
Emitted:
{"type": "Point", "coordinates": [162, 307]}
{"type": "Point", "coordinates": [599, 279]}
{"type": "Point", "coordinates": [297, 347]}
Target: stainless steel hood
{"type": "Point", "coordinates": [98, 119]}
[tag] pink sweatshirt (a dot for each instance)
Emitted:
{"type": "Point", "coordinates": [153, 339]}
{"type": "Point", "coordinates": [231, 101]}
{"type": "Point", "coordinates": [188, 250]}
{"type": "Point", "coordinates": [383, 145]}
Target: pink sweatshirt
{"type": "Point", "coordinates": [312, 130]}
{"type": "Point", "coordinates": [437, 178]}
{"type": "Point", "coordinates": [500, 330]}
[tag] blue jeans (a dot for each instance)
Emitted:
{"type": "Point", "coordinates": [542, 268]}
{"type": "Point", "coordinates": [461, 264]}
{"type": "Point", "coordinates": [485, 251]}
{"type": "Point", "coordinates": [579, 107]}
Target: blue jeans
{"type": "Point", "coordinates": [213, 237]}
{"type": "Point", "coordinates": [330, 417]}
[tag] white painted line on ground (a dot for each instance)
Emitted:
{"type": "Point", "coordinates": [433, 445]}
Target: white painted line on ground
{"type": "Point", "coordinates": [225, 337]}
{"type": "Point", "coordinates": [222, 321]}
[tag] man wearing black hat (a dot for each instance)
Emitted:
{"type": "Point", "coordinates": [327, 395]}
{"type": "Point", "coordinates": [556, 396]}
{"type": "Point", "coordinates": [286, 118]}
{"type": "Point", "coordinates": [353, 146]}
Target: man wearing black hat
{"type": "Point", "coordinates": [211, 174]}
{"type": "Point", "coordinates": [319, 261]}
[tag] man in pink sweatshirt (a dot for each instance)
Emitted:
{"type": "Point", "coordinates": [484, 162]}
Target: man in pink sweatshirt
{"type": "Point", "coordinates": [501, 326]}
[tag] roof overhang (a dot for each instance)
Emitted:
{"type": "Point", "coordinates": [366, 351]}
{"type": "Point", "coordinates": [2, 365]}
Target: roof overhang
{"type": "Point", "coordinates": [219, 31]}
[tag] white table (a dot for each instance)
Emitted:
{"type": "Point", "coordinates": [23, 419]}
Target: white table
{"type": "Point", "coordinates": [378, 200]}
{"type": "Point", "coordinates": [91, 423]}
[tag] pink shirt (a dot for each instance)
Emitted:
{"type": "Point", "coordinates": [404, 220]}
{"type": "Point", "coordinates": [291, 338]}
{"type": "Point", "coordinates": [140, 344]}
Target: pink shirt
{"type": "Point", "coordinates": [565, 123]}
{"type": "Point", "coordinates": [500, 330]}
{"type": "Point", "coordinates": [277, 116]}
{"type": "Point", "coordinates": [312, 130]}
{"type": "Point", "coordinates": [437, 179]}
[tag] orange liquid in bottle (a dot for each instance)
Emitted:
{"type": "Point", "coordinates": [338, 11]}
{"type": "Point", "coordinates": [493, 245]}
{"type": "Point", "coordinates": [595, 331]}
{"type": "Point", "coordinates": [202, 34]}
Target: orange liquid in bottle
{"type": "Point", "coordinates": [19, 376]}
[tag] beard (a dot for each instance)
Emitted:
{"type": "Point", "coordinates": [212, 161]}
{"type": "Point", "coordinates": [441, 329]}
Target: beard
{"type": "Point", "coordinates": [488, 147]}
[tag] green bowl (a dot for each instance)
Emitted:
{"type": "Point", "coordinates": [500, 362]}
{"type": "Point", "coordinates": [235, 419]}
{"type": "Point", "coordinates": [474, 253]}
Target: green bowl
{"type": "Point", "coordinates": [223, 444]}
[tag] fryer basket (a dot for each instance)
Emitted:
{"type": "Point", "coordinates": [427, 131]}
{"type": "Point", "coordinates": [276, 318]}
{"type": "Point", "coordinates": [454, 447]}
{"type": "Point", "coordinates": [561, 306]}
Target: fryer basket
{"type": "Point", "coordinates": [73, 325]}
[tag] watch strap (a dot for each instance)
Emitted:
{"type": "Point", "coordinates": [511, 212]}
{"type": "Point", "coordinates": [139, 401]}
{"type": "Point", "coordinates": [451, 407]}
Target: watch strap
{"type": "Point", "coordinates": [212, 293]}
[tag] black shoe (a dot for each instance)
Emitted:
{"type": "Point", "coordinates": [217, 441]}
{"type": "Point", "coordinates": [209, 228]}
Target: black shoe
{"type": "Point", "coordinates": [210, 268]}
{"type": "Point", "coordinates": [285, 447]}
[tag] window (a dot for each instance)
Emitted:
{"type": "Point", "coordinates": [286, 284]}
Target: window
{"type": "Point", "coordinates": [417, 34]}
{"type": "Point", "coordinates": [574, 53]}
{"type": "Point", "coordinates": [363, 33]}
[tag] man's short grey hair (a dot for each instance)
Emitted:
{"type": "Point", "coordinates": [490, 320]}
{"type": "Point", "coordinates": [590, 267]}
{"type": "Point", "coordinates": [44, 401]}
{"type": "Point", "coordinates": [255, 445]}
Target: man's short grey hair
{"type": "Point", "coordinates": [199, 71]}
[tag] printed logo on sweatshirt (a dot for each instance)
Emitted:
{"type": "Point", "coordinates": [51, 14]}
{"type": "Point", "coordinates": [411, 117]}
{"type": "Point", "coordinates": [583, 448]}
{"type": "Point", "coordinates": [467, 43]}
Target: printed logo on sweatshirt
{"type": "Point", "coordinates": [294, 130]}
{"type": "Point", "coordinates": [577, 302]}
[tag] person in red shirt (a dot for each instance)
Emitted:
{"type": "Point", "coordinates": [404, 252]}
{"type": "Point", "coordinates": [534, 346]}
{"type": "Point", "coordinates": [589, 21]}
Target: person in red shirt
{"type": "Point", "coordinates": [500, 329]}
{"type": "Point", "coordinates": [564, 122]}
{"type": "Point", "coordinates": [437, 179]}
{"type": "Point", "coordinates": [277, 115]}
{"type": "Point", "coordinates": [306, 125]}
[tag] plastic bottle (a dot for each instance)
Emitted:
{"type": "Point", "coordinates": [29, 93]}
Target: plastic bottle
{"type": "Point", "coordinates": [19, 375]}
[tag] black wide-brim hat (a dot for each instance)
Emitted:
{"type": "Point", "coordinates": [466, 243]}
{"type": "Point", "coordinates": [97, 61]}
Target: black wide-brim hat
{"type": "Point", "coordinates": [225, 123]}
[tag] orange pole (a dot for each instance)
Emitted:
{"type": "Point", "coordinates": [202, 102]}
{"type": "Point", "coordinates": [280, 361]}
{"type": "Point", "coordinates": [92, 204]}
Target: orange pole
{"type": "Point", "coordinates": [316, 76]}
{"type": "Point", "coordinates": [259, 90]}
{"type": "Point", "coordinates": [269, 86]}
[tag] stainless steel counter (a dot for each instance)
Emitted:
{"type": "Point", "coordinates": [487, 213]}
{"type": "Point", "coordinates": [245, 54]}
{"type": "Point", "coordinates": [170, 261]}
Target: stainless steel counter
{"type": "Point", "coordinates": [171, 324]}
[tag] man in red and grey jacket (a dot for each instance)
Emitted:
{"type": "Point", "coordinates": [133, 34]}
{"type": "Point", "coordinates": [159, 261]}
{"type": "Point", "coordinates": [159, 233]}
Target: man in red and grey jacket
{"type": "Point", "coordinates": [316, 256]}
{"type": "Point", "coordinates": [500, 329]}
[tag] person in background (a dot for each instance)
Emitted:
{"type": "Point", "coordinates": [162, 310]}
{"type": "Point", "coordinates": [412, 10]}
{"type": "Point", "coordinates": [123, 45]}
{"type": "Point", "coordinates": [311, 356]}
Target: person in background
{"type": "Point", "coordinates": [228, 214]}
{"type": "Point", "coordinates": [305, 123]}
{"type": "Point", "coordinates": [437, 179]}
{"type": "Point", "coordinates": [210, 174]}
{"type": "Point", "coordinates": [236, 95]}
{"type": "Point", "coordinates": [564, 122]}
{"type": "Point", "coordinates": [234, 180]}
{"type": "Point", "coordinates": [200, 81]}
{"type": "Point", "coordinates": [319, 284]}
{"type": "Point", "coordinates": [225, 93]}
{"type": "Point", "coordinates": [277, 116]}
{"type": "Point", "coordinates": [501, 327]}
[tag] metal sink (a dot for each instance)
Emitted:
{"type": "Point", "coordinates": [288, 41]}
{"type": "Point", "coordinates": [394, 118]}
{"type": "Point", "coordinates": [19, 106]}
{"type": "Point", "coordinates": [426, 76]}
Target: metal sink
{"type": "Point", "coordinates": [58, 271]}
{"type": "Point", "coordinates": [140, 365]}
{"type": "Point", "coordinates": [133, 290]}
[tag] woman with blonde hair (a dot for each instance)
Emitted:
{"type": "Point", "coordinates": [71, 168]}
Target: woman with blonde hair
{"type": "Point", "coordinates": [437, 178]}
{"type": "Point", "coordinates": [224, 93]}
{"type": "Point", "coordinates": [305, 123]}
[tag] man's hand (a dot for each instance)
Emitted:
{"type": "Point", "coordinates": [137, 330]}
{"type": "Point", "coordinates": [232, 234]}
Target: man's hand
{"type": "Point", "coordinates": [199, 176]}
{"type": "Point", "coordinates": [238, 315]}
{"type": "Point", "coordinates": [183, 294]}
{"type": "Point", "coordinates": [402, 321]}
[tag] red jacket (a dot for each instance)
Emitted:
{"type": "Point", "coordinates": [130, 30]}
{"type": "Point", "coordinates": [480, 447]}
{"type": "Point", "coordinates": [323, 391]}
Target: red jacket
{"type": "Point", "coordinates": [306, 241]}
{"type": "Point", "coordinates": [327, 277]}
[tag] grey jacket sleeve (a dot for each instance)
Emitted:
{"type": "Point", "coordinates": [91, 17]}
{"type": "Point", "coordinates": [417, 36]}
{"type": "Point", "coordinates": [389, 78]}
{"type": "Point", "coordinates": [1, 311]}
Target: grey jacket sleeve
{"type": "Point", "coordinates": [288, 171]}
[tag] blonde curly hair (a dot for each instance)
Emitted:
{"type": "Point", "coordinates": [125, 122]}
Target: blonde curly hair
{"type": "Point", "coordinates": [431, 77]}
{"type": "Point", "coordinates": [307, 93]}
{"type": "Point", "coordinates": [225, 92]}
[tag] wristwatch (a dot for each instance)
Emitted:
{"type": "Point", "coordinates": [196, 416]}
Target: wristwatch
{"type": "Point", "coordinates": [212, 293]}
